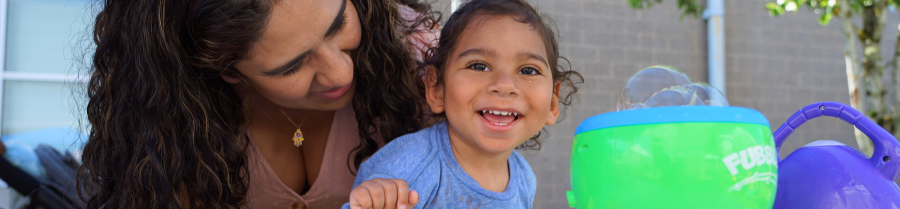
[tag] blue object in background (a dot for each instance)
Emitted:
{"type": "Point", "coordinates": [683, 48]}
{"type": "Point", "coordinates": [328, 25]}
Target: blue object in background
{"type": "Point", "coordinates": [23, 156]}
{"type": "Point", "coordinates": [63, 139]}
{"type": "Point", "coordinates": [20, 147]}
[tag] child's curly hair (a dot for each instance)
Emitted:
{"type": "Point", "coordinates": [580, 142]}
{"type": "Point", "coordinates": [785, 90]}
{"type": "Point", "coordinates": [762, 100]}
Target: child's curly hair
{"type": "Point", "coordinates": [523, 12]}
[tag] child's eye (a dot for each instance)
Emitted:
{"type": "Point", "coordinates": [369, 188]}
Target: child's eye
{"type": "Point", "coordinates": [529, 71]}
{"type": "Point", "coordinates": [478, 67]}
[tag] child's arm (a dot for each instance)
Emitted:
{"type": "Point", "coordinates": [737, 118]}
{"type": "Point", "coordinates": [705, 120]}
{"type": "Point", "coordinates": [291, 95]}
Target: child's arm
{"type": "Point", "coordinates": [383, 194]}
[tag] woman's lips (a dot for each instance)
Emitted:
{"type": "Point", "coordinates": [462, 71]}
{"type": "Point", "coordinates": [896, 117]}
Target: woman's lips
{"type": "Point", "coordinates": [334, 93]}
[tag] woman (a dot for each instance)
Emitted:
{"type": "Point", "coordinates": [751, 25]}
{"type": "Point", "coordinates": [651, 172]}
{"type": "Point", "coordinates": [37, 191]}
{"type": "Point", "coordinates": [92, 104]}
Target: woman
{"type": "Point", "coordinates": [244, 103]}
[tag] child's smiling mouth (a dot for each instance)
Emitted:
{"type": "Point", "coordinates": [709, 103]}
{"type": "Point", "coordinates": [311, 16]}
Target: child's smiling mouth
{"type": "Point", "coordinates": [499, 117]}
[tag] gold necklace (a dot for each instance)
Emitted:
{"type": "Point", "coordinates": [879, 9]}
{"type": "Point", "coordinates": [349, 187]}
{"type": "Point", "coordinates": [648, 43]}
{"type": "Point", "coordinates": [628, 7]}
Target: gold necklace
{"type": "Point", "coordinates": [298, 135]}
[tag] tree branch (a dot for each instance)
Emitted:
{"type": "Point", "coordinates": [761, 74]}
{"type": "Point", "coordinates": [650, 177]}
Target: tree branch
{"type": "Point", "coordinates": [893, 62]}
{"type": "Point", "coordinates": [895, 108]}
{"type": "Point", "coordinates": [851, 57]}
{"type": "Point", "coordinates": [895, 93]}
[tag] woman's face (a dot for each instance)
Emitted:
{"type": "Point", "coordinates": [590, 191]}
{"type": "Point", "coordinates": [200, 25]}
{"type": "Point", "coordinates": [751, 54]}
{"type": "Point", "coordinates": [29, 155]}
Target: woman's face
{"type": "Point", "coordinates": [304, 58]}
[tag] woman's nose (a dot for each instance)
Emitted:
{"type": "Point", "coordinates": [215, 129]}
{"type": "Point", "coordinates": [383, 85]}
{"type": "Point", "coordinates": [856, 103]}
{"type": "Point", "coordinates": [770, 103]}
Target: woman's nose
{"type": "Point", "coordinates": [337, 68]}
{"type": "Point", "coordinates": [504, 86]}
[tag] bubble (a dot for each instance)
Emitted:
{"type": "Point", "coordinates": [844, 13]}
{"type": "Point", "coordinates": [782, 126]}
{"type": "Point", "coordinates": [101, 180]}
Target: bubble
{"type": "Point", "coordinates": [675, 96]}
{"type": "Point", "coordinates": [660, 86]}
{"type": "Point", "coordinates": [647, 82]}
{"type": "Point", "coordinates": [705, 94]}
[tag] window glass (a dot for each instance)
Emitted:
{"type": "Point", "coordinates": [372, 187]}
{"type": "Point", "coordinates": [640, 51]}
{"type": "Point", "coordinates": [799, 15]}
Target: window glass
{"type": "Point", "coordinates": [42, 112]}
{"type": "Point", "coordinates": [46, 36]}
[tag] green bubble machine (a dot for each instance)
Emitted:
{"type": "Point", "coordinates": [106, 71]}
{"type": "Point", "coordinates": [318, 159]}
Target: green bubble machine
{"type": "Point", "coordinates": [674, 157]}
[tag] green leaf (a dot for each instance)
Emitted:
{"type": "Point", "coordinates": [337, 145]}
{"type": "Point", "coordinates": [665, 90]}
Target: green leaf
{"type": "Point", "coordinates": [825, 18]}
{"type": "Point", "coordinates": [687, 7]}
{"type": "Point", "coordinates": [775, 9]}
{"type": "Point", "coordinates": [790, 6]}
{"type": "Point", "coordinates": [640, 4]}
{"type": "Point", "coordinates": [855, 5]}
{"type": "Point", "coordinates": [690, 8]}
{"type": "Point", "coordinates": [636, 4]}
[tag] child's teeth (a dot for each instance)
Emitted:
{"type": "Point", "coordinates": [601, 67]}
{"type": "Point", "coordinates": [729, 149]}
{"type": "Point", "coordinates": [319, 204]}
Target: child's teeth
{"type": "Point", "coordinates": [498, 112]}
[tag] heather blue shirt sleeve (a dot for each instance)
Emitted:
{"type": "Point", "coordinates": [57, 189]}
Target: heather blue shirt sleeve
{"type": "Point", "coordinates": [425, 161]}
{"type": "Point", "coordinates": [410, 157]}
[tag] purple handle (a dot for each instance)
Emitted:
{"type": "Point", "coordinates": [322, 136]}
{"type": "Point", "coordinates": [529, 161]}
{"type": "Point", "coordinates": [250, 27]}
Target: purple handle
{"type": "Point", "coordinates": [886, 146]}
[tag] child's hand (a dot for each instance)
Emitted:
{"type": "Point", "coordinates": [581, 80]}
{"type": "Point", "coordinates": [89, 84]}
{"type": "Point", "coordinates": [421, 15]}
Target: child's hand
{"type": "Point", "coordinates": [383, 194]}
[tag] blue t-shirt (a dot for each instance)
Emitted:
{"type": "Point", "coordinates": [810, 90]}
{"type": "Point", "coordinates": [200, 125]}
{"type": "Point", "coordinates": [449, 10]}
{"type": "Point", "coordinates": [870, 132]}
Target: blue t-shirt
{"type": "Point", "coordinates": [424, 159]}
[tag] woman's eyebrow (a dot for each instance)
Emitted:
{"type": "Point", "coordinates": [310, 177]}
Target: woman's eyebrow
{"type": "Point", "coordinates": [336, 24]}
{"type": "Point", "coordinates": [287, 66]}
{"type": "Point", "coordinates": [333, 29]}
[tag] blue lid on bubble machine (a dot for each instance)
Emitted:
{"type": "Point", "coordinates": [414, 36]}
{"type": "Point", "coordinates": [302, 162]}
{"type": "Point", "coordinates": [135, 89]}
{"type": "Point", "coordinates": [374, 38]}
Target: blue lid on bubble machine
{"type": "Point", "coordinates": [674, 114]}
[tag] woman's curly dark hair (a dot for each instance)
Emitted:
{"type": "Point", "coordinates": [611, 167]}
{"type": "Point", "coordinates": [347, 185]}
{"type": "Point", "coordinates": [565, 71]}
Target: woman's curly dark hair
{"type": "Point", "coordinates": [522, 12]}
{"type": "Point", "coordinates": [167, 132]}
{"type": "Point", "coordinates": [387, 102]}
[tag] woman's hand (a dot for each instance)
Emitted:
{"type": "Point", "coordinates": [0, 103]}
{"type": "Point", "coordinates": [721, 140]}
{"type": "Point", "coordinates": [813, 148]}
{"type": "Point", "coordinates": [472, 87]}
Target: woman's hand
{"type": "Point", "coordinates": [383, 194]}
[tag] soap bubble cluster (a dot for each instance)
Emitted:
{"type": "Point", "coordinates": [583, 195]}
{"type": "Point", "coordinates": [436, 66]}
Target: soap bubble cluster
{"type": "Point", "coordinates": [660, 86]}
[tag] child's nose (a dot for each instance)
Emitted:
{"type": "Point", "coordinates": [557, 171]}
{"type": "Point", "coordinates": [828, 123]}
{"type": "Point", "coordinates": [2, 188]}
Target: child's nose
{"type": "Point", "coordinates": [504, 86]}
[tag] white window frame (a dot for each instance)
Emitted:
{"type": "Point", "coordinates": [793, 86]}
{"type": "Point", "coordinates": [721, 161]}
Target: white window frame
{"type": "Point", "coordinates": [22, 76]}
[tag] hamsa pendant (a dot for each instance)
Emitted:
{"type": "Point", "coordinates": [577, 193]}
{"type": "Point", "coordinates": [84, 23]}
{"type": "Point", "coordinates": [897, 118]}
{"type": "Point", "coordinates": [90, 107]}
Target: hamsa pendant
{"type": "Point", "coordinates": [298, 138]}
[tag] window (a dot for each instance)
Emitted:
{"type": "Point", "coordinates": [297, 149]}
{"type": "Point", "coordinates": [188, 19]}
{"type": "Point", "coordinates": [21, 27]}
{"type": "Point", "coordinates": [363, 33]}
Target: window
{"type": "Point", "coordinates": [40, 91]}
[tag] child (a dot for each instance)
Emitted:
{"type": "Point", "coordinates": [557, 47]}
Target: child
{"type": "Point", "coordinates": [495, 77]}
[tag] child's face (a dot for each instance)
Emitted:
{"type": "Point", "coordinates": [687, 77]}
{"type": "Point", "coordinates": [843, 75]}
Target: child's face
{"type": "Point", "coordinates": [499, 65]}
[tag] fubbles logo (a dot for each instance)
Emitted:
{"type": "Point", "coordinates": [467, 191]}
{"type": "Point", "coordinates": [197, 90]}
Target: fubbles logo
{"type": "Point", "coordinates": [749, 158]}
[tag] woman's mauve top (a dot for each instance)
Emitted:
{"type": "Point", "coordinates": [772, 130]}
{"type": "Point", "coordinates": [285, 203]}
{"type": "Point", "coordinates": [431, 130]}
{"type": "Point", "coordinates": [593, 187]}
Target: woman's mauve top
{"type": "Point", "coordinates": [330, 190]}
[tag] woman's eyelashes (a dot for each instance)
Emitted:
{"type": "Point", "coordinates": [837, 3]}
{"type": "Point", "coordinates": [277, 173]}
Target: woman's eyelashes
{"type": "Point", "coordinates": [343, 23]}
{"type": "Point", "coordinates": [295, 68]}
{"type": "Point", "coordinates": [291, 71]}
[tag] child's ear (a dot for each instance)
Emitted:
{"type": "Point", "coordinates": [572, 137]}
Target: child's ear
{"type": "Point", "coordinates": [554, 106]}
{"type": "Point", "coordinates": [434, 92]}
{"type": "Point", "coordinates": [230, 78]}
